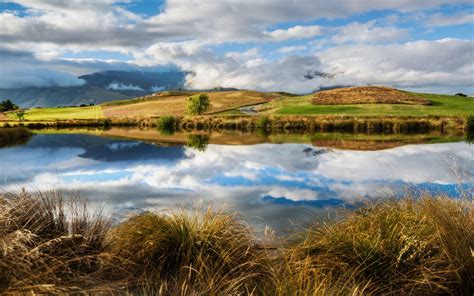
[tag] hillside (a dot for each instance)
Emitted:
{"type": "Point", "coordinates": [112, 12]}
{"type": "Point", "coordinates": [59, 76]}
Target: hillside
{"type": "Point", "coordinates": [61, 96]}
{"type": "Point", "coordinates": [439, 105]}
{"type": "Point", "coordinates": [158, 104]}
{"type": "Point", "coordinates": [366, 95]}
{"type": "Point", "coordinates": [174, 103]}
{"type": "Point", "coordinates": [259, 103]}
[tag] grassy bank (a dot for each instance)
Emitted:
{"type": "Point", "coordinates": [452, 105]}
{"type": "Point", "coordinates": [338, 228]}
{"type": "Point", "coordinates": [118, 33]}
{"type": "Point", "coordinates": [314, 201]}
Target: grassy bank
{"type": "Point", "coordinates": [413, 247]}
{"type": "Point", "coordinates": [274, 123]}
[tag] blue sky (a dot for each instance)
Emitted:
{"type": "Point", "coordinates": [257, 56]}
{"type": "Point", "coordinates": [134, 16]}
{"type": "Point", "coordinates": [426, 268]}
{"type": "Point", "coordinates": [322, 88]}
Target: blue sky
{"type": "Point", "coordinates": [268, 45]}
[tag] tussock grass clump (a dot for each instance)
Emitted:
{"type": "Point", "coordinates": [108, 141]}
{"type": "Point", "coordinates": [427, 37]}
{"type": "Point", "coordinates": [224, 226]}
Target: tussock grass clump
{"type": "Point", "coordinates": [190, 253]}
{"type": "Point", "coordinates": [401, 247]}
{"type": "Point", "coordinates": [49, 244]}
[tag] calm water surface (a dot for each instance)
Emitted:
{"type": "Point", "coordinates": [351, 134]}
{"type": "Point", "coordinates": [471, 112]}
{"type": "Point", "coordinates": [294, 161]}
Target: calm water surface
{"type": "Point", "coordinates": [275, 184]}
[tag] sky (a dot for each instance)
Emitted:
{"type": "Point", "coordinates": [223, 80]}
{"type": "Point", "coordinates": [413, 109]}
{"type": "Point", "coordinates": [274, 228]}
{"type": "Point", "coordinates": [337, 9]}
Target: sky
{"type": "Point", "coordinates": [296, 46]}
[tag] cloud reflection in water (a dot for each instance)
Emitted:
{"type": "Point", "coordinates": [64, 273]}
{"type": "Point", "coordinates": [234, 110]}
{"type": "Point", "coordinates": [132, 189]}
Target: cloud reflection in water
{"type": "Point", "coordinates": [276, 182]}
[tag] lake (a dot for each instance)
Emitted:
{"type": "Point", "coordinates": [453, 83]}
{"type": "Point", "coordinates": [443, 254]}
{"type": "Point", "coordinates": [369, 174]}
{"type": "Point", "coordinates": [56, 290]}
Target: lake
{"type": "Point", "coordinates": [276, 180]}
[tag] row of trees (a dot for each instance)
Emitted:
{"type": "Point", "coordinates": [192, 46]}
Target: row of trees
{"type": "Point", "coordinates": [7, 105]}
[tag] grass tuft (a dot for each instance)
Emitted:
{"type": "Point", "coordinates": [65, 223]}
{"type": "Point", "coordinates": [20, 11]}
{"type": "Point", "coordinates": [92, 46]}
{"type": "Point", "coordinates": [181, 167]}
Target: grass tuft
{"type": "Point", "coordinates": [212, 251]}
{"type": "Point", "coordinates": [49, 244]}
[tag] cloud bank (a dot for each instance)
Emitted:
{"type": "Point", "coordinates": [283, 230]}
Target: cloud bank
{"type": "Point", "coordinates": [264, 45]}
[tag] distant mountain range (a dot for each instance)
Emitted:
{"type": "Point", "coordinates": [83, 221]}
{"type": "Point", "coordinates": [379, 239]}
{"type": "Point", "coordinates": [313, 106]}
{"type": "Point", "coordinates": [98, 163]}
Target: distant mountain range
{"type": "Point", "coordinates": [99, 87]}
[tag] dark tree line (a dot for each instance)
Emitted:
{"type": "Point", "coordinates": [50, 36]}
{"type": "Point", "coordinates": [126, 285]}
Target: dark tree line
{"type": "Point", "coordinates": [7, 105]}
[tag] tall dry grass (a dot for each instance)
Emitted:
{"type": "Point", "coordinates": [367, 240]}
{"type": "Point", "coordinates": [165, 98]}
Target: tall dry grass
{"type": "Point", "coordinates": [408, 247]}
{"type": "Point", "coordinates": [182, 253]}
{"type": "Point", "coordinates": [50, 244]}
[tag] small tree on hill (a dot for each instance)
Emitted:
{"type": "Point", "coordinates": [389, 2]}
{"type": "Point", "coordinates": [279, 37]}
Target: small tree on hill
{"type": "Point", "coordinates": [197, 105]}
{"type": "Point", "coordinates": [20, 115]}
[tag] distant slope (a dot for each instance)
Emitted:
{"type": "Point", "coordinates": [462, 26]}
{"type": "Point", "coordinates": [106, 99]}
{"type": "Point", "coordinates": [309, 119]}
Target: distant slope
{"type": "Point", "coordinates": [100, 87]}
{"type": "Point", "coordinates": [145, 81]}
{"type": "Point", "coordinates": [367, 95]}
{"type": "Point", "coordinates": [61, 96]}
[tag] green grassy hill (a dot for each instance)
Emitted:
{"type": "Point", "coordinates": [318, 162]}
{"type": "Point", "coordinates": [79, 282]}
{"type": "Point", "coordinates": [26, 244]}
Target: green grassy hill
{"type": "Point", "coordinates": [442, 105]}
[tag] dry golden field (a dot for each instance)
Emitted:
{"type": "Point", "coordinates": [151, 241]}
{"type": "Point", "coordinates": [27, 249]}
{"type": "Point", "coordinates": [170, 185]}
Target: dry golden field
{"type": "Point", "coordinates": [175, 103]}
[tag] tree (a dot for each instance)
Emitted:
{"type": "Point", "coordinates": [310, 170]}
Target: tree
{"type": "Point", "coordinates": [460, 95]}
{"type": "Point", "coordinates": [7, 105]}
{"type": "Point", "coordinates": [197, 105]}
{"type": "Point", "coordinates": [20, 115]}
{"type": "Point", "coordinates": [197, 141]}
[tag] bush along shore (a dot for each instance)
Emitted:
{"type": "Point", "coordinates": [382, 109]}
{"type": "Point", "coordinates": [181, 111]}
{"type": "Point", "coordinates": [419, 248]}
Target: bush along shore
{"type": "Point", "coordinates": [392, 124]}
{"type": "Point", "coordinates": [14, 136]}
{"type": "Point", "coordinates": [52, 245]}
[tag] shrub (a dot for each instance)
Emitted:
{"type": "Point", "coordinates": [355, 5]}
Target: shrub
{"type": "Point", "coordinates": [470, 124]}
{"type": "Point", "coordinates": [198, 142]}
{"type": "Point", "coordinates": [263, 122]}
{"type": "Point", "coordinates": [13, 136]}
{"type": "Point", "coordinates": [166, 124]}
{"type": "Point", "coordinates": [197, 105]}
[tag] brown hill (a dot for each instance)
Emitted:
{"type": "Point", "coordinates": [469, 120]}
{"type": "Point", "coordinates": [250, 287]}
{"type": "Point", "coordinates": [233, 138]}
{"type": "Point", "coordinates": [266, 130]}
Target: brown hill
{"type": "Point", "coordinates": [367, 95]}
{"type": "Point", "coordinates": [364, 145]}
{"type": "Point", "coordinates": [174, 103]}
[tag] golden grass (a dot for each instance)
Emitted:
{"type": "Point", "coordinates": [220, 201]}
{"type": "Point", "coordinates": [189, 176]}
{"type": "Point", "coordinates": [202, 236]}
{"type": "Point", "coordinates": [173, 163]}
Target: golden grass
{"type": "Point", "coordinates": [48, 244]}
{"type": "Point", "coordinates": [408, 247]}
{"type": "Point", "coordinates": [197, 253]}
{"type": "Point", "coordinates": [53, 245]}
{"type": "Point", "coordinates": [175, 105]}
{"type": "Point", "coordinates": [367, 95]}
{"type": "Point", "coordinates": [3, 117]}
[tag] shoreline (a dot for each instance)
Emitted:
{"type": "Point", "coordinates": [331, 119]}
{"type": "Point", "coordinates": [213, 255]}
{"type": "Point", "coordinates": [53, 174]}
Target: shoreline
{"type": "Point", "coordinates": [366, 124]}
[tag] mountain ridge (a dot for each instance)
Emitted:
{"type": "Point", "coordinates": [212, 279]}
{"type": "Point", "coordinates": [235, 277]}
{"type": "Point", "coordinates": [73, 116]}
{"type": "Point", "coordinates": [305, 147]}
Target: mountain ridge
{"type": "Point", "coordinates": [100, 87]}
